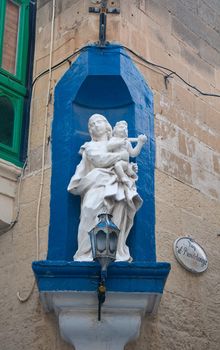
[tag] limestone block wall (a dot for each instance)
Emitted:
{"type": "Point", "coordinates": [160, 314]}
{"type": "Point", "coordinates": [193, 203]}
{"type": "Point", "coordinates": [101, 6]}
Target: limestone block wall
{"type": "Point", "coordinates": [184, 36]}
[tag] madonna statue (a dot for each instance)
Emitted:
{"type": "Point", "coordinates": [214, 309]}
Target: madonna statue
{"type": "Point", "coordinates": [101, 188]}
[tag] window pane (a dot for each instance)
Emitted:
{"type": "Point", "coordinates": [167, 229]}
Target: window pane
{"type": "Point", "coordinates": [10, 37]}
{"type": "Point", "coordinates": [6, 121]}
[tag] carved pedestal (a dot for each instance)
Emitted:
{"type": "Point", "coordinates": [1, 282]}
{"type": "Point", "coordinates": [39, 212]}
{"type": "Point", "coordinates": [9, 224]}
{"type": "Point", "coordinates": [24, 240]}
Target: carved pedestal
{"type": "Point", "coordinates": [70, 290]}
{"type": "Point", "coordinates": [120, 319]}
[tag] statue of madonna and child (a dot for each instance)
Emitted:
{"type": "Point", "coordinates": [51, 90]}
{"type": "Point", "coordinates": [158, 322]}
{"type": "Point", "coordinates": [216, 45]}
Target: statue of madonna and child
{"type": "Point", "coordinates": [105, 180]}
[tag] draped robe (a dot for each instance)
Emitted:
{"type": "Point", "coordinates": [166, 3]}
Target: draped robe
{"type": "Point", "coordinates": [96, 182]}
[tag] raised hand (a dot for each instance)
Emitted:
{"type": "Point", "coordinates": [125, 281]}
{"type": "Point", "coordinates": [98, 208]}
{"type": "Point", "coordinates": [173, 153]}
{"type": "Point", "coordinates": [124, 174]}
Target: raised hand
{"type": "Point", "coordinates": [142, 139]}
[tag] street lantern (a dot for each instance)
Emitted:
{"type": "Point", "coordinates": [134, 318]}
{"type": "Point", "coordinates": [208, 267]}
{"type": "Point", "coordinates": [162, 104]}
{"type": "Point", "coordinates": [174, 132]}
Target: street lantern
{"type": "Point", "coordinates": [104, 239]}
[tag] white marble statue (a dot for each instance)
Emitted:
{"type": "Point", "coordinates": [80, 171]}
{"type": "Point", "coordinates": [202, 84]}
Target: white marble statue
{"type": "Point", "coordinates": [106, 181]}
{"type": "Point", "coordinates": [120, 142]}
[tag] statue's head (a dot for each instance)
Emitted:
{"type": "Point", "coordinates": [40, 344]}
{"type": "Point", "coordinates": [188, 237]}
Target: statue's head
{"type": "Point", "coordinates": [121, 129]}
{"type": "Point", "coordinates": [99, 127]}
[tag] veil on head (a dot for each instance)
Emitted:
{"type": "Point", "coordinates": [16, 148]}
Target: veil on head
{"type": "Point", "coordinates": [108, 126]}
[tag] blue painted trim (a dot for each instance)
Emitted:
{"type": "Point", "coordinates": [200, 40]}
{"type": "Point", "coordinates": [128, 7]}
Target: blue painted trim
{"type": "Point", "coordinates": [122, 277]}
{"type": "Point", "coordinates": [102, 80]}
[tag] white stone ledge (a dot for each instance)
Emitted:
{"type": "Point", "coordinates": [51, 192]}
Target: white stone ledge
{"type": "Point", "coordinates": [121, 316]}
{"type": "Point", "coordinates": [9, 174]}
{"type": "Point", "coordinates": [9, 170]}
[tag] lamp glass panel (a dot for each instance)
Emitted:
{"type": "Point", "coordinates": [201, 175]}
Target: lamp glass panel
{"type": "Point", "coordinates": [112, 242]}
{"type": "Point", "coordinates": [101, 241]}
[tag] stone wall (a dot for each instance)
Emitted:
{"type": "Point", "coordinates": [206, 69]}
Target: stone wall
{"type": "Point", "coordinates": [182, 35]}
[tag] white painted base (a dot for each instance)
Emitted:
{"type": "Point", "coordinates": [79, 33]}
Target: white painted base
{"type": "Point", "coordinates": [9, 174]}
{"type": "Point", "coordinates": [120, 319]}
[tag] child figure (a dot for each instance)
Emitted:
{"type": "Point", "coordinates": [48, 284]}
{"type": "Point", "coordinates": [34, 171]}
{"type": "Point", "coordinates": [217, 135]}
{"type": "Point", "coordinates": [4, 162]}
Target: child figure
{"type": "Point", "coordinates": [120, 142]}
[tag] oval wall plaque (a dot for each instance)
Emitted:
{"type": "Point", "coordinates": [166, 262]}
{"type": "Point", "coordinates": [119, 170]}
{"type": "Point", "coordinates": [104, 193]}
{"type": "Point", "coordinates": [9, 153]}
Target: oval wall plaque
{"type": "Point", "coordinates": [190, 255]}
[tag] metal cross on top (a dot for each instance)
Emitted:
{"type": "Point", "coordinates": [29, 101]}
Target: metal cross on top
{"type": "Point", "coordinates": [102, 8]}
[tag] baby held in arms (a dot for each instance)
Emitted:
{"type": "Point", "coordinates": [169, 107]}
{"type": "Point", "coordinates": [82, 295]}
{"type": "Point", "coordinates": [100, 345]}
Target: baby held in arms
{"type": "Point", "coordinates": [120, 142]}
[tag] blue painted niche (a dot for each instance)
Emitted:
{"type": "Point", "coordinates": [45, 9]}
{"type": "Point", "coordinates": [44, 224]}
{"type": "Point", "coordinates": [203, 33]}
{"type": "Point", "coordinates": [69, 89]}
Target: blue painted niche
{"type": "Point", "coordinates": [102, 80]}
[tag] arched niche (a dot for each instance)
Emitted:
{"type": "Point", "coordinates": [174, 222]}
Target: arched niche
{"type": "Point", "coordinates": [101, 80]}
